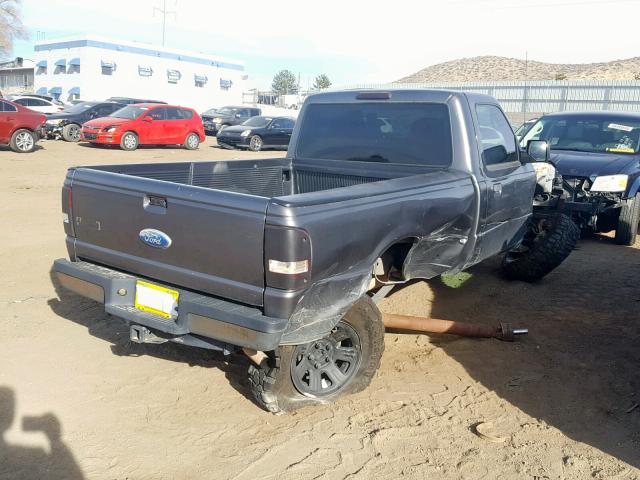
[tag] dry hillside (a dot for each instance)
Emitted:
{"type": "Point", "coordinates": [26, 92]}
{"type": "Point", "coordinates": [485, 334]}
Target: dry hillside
{"type": "Point", "coordinates": [490, 68]}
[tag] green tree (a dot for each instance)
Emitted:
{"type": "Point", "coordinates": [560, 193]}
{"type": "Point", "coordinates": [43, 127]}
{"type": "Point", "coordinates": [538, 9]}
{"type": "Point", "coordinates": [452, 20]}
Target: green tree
{"type": "Point", "coordinates": [11, 26]}
{"type": "Point", "coordinates": [284, 83]}
{"type": "Point", "coordinates": [321, 82]}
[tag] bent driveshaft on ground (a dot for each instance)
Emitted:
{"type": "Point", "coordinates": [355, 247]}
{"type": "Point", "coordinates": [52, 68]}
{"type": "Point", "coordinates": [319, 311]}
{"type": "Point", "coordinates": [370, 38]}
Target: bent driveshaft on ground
{"type": "Point", "coordinates": [504, 331]}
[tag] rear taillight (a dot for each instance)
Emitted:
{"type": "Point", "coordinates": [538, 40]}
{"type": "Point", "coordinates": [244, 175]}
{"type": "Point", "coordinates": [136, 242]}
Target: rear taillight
{"type": "Point", "coordinates": [67, 210]}
{"type": "Point", "coordinates": [287, 257]}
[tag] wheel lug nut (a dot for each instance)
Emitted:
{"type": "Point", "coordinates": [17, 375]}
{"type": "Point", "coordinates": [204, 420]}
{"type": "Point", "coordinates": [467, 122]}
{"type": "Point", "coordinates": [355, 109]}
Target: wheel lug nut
{"type": "Point", "coordinates": [316, 365]}
{"type": "Point", "coordinates": [327, 348]}
{"type": "Point", "coordinates": [317, 346]}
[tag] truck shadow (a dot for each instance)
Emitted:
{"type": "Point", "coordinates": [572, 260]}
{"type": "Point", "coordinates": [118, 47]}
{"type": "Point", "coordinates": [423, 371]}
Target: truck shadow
{"type": "Point", "coordinates": [577, 370]}
{"type": "Point", "coordinates": [91, 315]}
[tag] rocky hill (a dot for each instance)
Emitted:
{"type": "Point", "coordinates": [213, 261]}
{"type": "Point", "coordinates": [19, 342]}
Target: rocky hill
{"type": "Point", "coordinates": [491, 68]}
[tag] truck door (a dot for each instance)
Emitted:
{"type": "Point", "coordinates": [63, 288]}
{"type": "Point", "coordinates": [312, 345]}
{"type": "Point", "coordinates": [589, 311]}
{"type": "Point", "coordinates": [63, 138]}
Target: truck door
{"type": "Point", "coordinates": [508, 185]}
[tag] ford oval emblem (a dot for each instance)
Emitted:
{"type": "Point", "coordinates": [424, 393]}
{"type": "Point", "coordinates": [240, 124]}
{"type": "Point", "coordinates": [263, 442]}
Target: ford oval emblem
{"type": "Point", "coordinates": [155, 238]}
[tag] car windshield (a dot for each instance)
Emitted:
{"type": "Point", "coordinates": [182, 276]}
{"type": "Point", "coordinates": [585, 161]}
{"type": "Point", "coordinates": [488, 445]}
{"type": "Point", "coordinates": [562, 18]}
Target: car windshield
{"type": "Point", "coordinates": [79, 107]}
{"type": "Point", "coordinates": [211, 111]}
{"type": "Point", "coordinates": [400, 133]}
{"type": "Point", "coordinates": [584, 133]}
{"type": "Point", "coordinates": [129, 112]}
{"type": "Point", "coordinates": [258, 122]}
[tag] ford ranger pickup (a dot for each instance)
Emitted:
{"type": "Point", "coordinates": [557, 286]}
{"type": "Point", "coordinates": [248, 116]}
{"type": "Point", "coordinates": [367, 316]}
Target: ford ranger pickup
{"type": "Point", "coordinates": [280, 256]}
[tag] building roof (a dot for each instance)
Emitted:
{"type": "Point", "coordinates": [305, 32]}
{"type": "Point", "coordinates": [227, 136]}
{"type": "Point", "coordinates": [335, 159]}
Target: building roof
{"type": "Point", "coordinates": [138, 48]}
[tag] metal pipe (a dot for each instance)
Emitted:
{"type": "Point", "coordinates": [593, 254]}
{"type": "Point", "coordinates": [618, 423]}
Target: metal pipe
{"type": "Point", "coordinates": [504, 331]}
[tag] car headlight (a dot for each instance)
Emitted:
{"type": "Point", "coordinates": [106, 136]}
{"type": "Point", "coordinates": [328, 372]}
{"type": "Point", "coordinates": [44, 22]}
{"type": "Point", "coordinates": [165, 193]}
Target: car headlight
{"type": "Point", "coordinates": [217, 120]}
{"type": "Point", "coordinates": [111, 129]}
{"type": "Point", "coordinates": [610, 183]}
{"type": "Point", "coordinates": [246, 133]}
{"type": "Point", "coordinates": [56, 121]}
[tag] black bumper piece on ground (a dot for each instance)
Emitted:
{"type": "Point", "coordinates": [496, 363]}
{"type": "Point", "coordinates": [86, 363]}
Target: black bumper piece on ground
{"type": "Point", "coordinates": [202, 320]}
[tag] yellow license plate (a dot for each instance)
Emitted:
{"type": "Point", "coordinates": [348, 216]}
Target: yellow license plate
{"type": "Point", "coordinates": [156, 299]}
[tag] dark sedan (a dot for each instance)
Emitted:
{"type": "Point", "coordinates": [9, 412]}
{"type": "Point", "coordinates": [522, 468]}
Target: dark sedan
{"type": "Point", "coordinates": [258, 133]}
{"type": "Point", "coordinates": [68, 124]}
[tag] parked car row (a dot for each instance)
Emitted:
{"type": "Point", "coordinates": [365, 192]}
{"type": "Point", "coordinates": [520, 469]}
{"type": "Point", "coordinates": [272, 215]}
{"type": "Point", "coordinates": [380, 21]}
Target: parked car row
{"type": "Point", "coordinates": [128, 123]}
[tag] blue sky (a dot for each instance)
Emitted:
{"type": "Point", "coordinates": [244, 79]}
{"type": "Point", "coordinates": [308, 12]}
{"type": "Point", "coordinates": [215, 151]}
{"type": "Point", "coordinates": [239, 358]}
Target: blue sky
{"type": "Point", "coordinates": [352, 41]}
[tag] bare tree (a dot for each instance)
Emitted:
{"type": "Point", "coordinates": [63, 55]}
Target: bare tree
{"type": "Point", "coordinates": [11, 26]}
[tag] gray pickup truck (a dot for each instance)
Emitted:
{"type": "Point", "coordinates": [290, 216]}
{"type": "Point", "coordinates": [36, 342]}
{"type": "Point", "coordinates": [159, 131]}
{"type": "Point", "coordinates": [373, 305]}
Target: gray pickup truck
{"type": "Point", "coordinates": [280, 256]}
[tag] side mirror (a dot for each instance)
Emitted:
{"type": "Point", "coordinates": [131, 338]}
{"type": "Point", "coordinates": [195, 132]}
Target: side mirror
{"type": "Point", "coordinates": [538, 150]}
{"type": "Point", "coordinates": [148, 118]}
{"type": "Point", "coordinates": [238, 115]}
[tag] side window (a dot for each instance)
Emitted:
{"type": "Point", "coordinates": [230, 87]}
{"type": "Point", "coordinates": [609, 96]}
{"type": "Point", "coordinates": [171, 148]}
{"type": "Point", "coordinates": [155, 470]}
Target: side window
{"type": "Point", "coordinates": [174, 113]}
{"type": "Point", "coordinates": [159, 113]}
{"type": "Point", "coordinates": [7, 107]}
{"type": "Point", "coordinates": [287, 123]}
{"type": "Point", "coordinates": [277, 123]}
{"type": "Point", "coordinates": [38, 103]}
{"type": "Point", "coordinates": [23, 101]}
{"type": "Point", "coordinates": [497, 141]}
{"type": "Point", "coordinates": [101, 111]}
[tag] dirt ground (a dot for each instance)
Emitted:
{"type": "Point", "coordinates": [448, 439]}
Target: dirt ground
{"type": "Point", "coordinates": [78, 400]}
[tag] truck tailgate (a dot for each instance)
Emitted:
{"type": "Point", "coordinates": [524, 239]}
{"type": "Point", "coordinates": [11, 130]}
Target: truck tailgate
{"type": "Point", "coordinates": [216, 237]}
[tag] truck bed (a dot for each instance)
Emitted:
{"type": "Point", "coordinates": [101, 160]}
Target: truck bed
{"type": "Point", "coordinates": [265, 178]}
{"type": "Point", "coordinates": [213, 212]}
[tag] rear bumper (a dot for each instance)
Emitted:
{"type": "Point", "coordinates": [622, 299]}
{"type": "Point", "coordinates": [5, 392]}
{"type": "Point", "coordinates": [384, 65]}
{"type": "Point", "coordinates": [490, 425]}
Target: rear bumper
{"type": "Point", "coordinates": [200, 317]}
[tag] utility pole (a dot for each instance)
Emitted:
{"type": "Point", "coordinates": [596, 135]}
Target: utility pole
{"type": "Point", "coordinates": [164, 12]}
{"type": "Point", "coordinates": [526, 87]}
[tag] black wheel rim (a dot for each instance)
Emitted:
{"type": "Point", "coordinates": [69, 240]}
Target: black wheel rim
{"type": "Point", "coordinates": [325, 366]}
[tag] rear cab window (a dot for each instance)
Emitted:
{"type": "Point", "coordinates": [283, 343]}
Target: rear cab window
{"type": "Point", "coordinates": [398, 133]}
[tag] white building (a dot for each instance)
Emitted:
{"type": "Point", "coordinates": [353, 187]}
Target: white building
{"type": "Point", "coordinates": [95, 68]}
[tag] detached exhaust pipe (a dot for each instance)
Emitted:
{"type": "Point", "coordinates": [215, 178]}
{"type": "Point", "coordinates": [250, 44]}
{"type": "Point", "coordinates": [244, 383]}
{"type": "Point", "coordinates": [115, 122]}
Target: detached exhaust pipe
{"type": "Point", "coordinates": [504, 331]}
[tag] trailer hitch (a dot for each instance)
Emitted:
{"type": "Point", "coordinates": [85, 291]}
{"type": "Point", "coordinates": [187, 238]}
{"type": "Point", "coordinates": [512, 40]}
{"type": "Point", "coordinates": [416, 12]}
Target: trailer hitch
{"type": "Point", "coordinates": [140, 334]}
{"type": "Point", "coordinates": [504, 331]}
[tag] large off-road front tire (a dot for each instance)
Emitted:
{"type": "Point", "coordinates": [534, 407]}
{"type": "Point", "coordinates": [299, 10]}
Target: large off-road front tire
{"type": "Point", "coordinates": [341, 363]}
{"type": "Point", "coordinates": [627, 229]}
{"type": "Point", "coordinates": [548, 243]}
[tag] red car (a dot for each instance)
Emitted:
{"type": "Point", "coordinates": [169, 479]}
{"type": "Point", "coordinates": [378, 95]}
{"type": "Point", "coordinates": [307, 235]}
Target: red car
{"type": "Point", "coordinates": [19, 126]}
{"type": "Point", "coordinates": [146, 124]}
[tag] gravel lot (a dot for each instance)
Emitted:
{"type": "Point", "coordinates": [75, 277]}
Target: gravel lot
{"type": "Point", "coordinates": [563, 401]}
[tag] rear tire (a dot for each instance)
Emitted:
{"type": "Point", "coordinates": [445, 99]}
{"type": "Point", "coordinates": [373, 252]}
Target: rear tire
{"type": "Point", "coordinates": [542, 252]}
{"type": "Point", "coordinates": [23, 141]}
{"type": "Point", "coordinates": [627, 229]}
{"type": "Point", "coordinates": [71, 133]}
{"type": "Point", "coordinates": [129, 141]}
{"type": "Point", "coordinates": [192, 142]}
{"type": "Point", "coordinates": [255, 143]}
{"type": "Point", "coordinates": [283, 382]}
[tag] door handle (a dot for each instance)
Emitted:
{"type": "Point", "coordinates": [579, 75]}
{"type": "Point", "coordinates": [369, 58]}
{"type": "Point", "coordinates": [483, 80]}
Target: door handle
{"type": "Point", "coordinates": [497, 188]}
